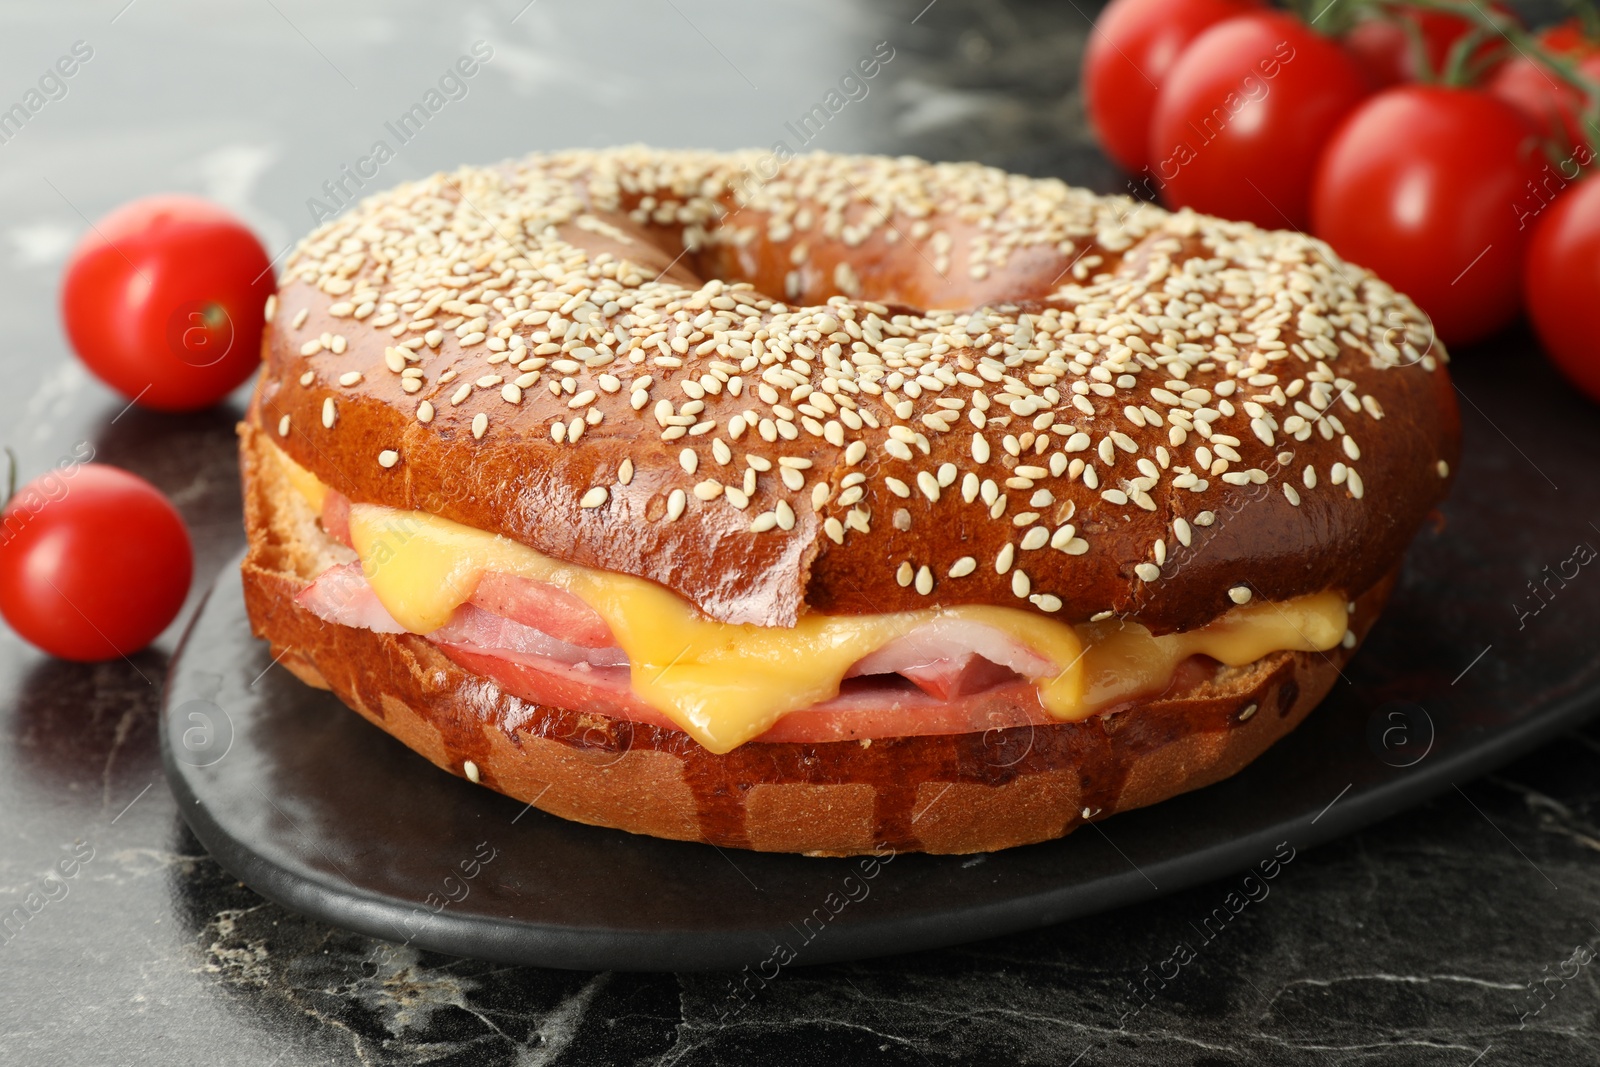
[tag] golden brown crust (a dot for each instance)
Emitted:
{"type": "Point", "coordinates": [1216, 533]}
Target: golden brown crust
{"type": "Point", "coordinates": [1142, 361]}
{"type": "Point", "coordinates": [950, 794]}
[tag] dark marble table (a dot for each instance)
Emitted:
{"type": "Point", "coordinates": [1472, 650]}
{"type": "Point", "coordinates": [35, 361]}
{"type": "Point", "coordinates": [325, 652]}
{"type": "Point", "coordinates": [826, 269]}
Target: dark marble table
{"type": "Point", "coordinates": [1418, 941]}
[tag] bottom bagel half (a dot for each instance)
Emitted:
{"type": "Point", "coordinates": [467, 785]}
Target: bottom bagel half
{"type": "Point", "coordinates": [943, 793]}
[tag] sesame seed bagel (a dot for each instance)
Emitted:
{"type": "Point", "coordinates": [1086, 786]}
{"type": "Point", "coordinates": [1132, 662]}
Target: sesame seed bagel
{"type": "Point", "coordinates": [1114, 410]}
{"type": "Point", "coordinates": [852, 386]}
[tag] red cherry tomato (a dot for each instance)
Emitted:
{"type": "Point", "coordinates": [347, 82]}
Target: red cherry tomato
{"type": "Point", "coordinates": [1562, 284]}
{"type": "Point", "coordinates": [1554, 105]}
{"type": "Point", "coordinates": [94, 562]}
{"type": "Point", "coordinates": [1244, 113]}
{"type": "Point", "coordinates": [1133, 45]}
{"type": "Point", "coordinates": [164, 299]}
{"type": "Point", "coordinates": [1429, 187]}
{"type": "Point", "coordinates": [1382, 43]}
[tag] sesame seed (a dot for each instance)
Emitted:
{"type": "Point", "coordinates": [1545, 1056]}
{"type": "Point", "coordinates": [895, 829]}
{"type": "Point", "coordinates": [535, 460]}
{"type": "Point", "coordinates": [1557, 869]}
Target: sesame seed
{"type": "Point", "coordinates": [1348, 640]}
{"type": "Point", "coordinates": [1244, 716]}
{"type": "Point", "coordinates": [905, 574]}
{"type": "Point", "coordinates": [1443, 468]}
{"type": "Point", "coordinates": [929, 485]}
{"type": "Point", "coordinates": [424, 412]}
{"type": "Point", "coordinates": [470, 769]}
{"type": "Point", "coordinates": [350, 378]}
{"type": "Point", "coordinates": [963, 567]}
{"type": "Point", "coordinates": [980, 448]}
{"type": "Point", "coordinates": [1020, 584]}
{"type": "Point", "coordinates": [1240, 594]}
{"type": "Point", "coordinates": [1002, 562]}
{"type": "Point", "coordinates": [480, 424]}
{"type": "Point", "coordinates": [688, 460]}
{"type": "Point", "coordinates": [1035, 538]}
{"type": "Point", "coordinates": [283, 426]}
{"type": "Point", "coordinates": [299, 319]}
{"type": "Point", "coordinates": [388, 457]}
{"type": "Point", "coordinates": [785, 515]}
{"type": "Point", "coordinates": [924, 580]}
{"type": "Point", "coordinates": [329, 414]}
{"type": "Point", "coordinates": [1147, 572]}
{"type": "Point", "coordinates": [677, 501]}
{"type": "Point", "coordinates": [511, 393]}
{"type": "Point", "coordinates": [1205, 518]}
{"type": "Point", "coordinates": [594, 497]}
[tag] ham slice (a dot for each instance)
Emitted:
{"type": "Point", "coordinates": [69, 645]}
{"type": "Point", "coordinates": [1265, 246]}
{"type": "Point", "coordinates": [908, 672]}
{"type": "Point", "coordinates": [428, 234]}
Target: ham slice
{"type": "Point", "coordinates": [473, 627]}
{"type": "Point", "coordinates": [336, 517]}
{"type": "Point", "coordinates": [546, 646]}
{"type": "Point", "coordinates": [951, 639]}
{"type": "Point", "coordinates": [544, 607]}
{"type": "Point", "coordinates": [537, 604]}
{"type": "Point", "coordinates": [342, 595]}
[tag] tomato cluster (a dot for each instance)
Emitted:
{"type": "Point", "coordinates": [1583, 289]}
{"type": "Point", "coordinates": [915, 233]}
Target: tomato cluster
{"type": "Point", "coordinates": [1438, 142]}
{"type": "Point", "coordinates": [164, 300]}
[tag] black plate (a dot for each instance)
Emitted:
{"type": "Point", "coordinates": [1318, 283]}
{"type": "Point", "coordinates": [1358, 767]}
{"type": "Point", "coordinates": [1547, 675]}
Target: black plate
{"type": "Point", "coordinates": [316, 809]}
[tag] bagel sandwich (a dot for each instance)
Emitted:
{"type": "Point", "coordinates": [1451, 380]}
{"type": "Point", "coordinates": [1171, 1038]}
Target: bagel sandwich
{"type": "Point", "coordinates": [875, 504]}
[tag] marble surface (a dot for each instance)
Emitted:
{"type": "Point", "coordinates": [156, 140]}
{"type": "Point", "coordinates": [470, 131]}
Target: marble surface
{"type": "Point", "coordinates": [1458, 933]}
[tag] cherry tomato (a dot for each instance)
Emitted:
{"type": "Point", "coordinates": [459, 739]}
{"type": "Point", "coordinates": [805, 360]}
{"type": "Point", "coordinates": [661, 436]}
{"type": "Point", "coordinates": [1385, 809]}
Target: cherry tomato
{"type": "Point", "coordinates": [1382, 43]}
{"type": "Point", "coordinates": [1244, 113]}
{"type": "Point", "coordinates": [1132, 46]}
{"type": "Point", "coordinates": [1554, 105]}
{"type": "Point", "coordinates": [1429, 187]}
{"type": "Point", "coordinates": [94, 562]}
{"type": "Point", "coordinates": [1562, 284]}
{"type": "Point", "coordinates": [164, 299]}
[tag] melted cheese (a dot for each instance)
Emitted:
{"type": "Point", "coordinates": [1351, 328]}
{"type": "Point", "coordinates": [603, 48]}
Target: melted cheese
{"type": "Point", "coordinates": [725, 684]}
{"type": "Point", "coordinates": [305, 483]}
